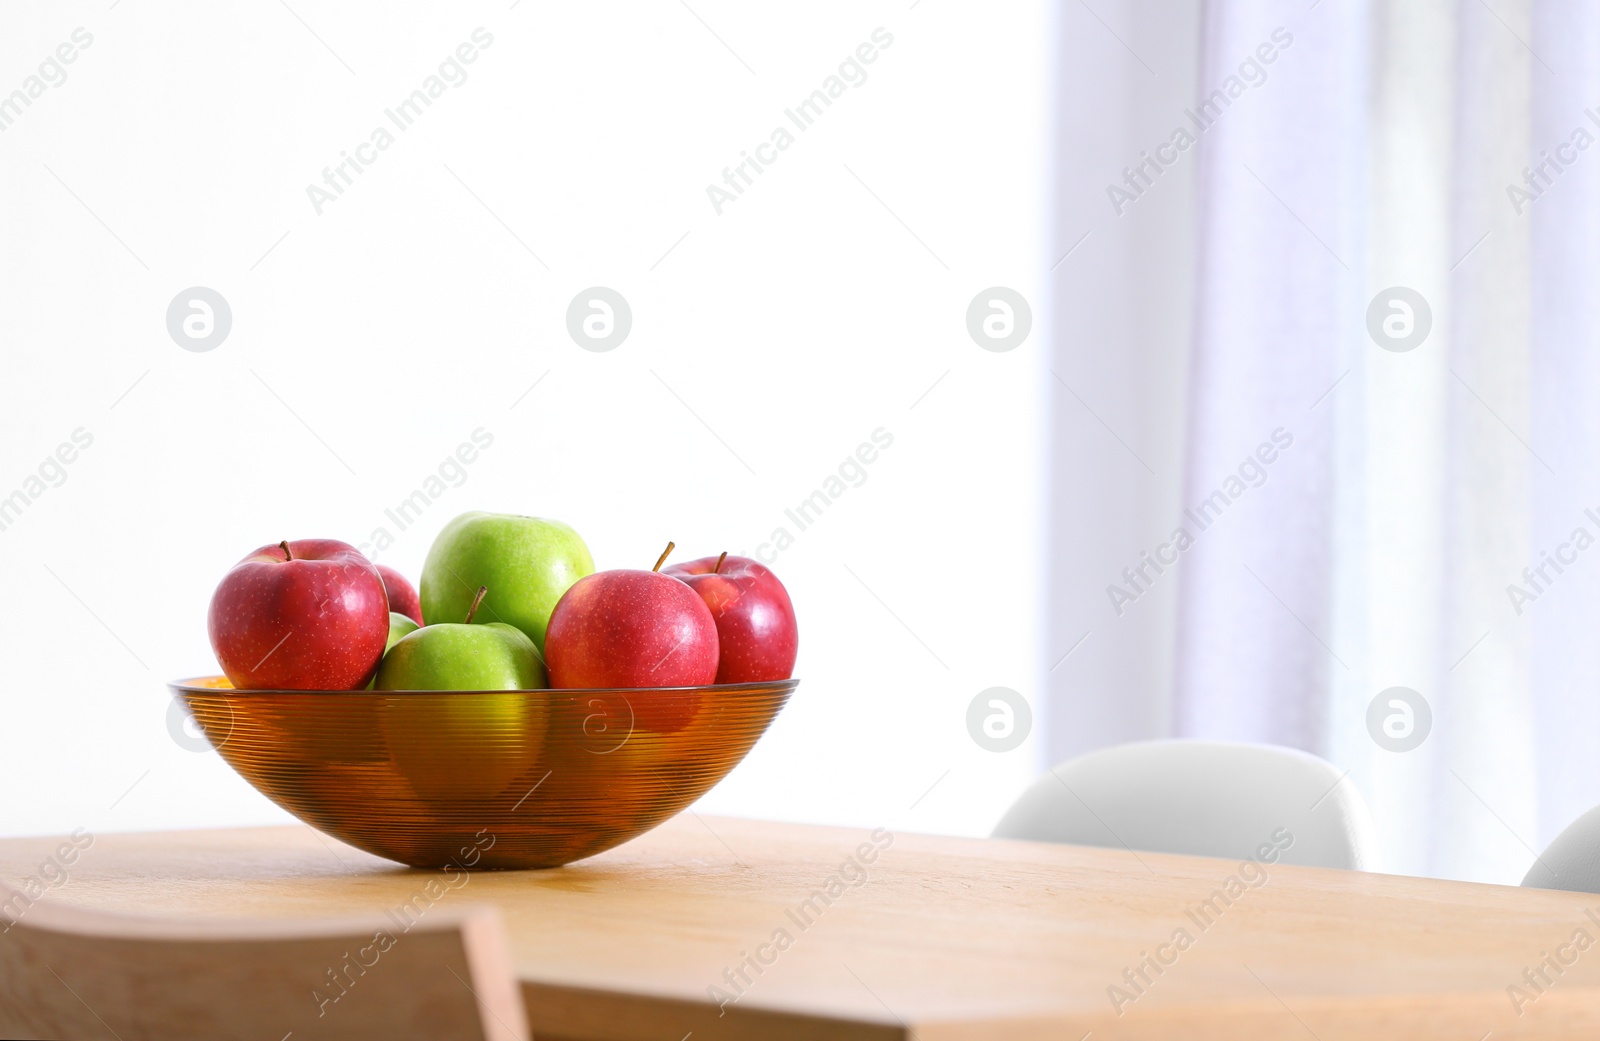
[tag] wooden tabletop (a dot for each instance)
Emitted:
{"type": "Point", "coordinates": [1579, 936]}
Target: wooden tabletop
{"type": "Point", "coordinates": [811, 932]}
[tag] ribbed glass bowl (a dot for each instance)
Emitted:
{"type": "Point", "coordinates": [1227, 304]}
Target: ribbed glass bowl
{"type": "Point", "coordinates": [483, 779]}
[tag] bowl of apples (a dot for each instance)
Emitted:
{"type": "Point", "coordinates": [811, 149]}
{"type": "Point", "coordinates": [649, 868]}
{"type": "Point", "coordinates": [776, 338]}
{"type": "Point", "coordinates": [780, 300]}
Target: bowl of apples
{"type": "Point", "coordinates": [520, 710]}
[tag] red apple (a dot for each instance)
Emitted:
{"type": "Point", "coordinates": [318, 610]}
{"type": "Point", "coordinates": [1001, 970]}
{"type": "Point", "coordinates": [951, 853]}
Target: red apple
{"type": "Point", "coordinates": [756, 628]}
{"type": "Point", "coordinates": [632, 629]}
{"type": "Point", "coordinates": [403, 596]}
{"type": "Point", "coordinates": [304, 615]}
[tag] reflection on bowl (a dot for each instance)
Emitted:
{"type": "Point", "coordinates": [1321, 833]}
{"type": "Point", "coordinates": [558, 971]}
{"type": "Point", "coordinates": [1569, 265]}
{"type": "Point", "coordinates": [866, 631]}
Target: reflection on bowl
{"type": "Point", "coordinates": [481, 779]}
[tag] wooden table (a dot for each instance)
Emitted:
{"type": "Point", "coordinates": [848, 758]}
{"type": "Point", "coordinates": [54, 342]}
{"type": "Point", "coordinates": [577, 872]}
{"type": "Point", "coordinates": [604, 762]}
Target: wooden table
{"type": "Point", "coordinates": [925, 937]}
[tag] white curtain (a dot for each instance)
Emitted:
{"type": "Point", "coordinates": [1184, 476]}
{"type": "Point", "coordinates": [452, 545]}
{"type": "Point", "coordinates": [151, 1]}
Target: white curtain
{"type": "Point", "coordinates": [1373, 543]}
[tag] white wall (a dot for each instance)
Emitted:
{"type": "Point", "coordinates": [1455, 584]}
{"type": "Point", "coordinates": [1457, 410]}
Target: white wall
{"type": "Point", "coordinates": [369, 340]}
{"type": "Point", "coordinates": [1125, 297]}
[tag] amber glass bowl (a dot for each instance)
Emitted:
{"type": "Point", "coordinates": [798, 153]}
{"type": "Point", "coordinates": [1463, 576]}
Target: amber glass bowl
{"type": "Point", "coordinates": [483, 779]}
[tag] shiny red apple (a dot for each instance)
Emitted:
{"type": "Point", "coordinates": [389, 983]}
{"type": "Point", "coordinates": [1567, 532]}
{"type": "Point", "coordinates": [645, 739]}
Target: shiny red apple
{"type": "Point", "coordinates": [403, 598]}
{"type": "Point", "coordinates": [310, 614]}
{"type": "Point", "coordinates": [632, 629]}
{"type": "Point", "coordinates": [756, 628]}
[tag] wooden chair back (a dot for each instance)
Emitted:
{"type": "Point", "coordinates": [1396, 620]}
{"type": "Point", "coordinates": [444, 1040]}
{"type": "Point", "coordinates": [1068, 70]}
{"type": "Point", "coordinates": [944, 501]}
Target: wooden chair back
{"type": "Point", "coordinates": [76, 974]}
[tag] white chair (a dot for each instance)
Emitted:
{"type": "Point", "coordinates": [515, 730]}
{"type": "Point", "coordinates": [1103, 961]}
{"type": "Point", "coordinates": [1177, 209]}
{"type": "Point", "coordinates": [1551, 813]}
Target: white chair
{"type": "Point", "coordinates": [1206, 798]}
{"type": "Point", "coordinates": [1572, 861]}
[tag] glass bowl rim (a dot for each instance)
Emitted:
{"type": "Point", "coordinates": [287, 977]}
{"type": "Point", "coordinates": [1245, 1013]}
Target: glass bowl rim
{"type": "Point", "coordinates": [192, 685]}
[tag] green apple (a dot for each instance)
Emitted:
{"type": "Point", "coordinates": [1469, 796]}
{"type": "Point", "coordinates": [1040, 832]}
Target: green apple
{"type": "Point", "coordinates": [527, 563]}
{"type": "Point", "coordinates": [463, 747]}
{"type": "Point", "coordinates": [463, 656]}
{"type": "Point", "coordinates": [399, 626]}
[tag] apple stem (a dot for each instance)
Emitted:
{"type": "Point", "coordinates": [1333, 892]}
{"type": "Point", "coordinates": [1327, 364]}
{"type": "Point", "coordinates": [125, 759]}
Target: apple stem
{"type": "Point", "coordinates": [483, 591]}
{"type": "Point", "coordinates": [284, 545]}
{"type": "Point", "coordinates": [718, 568]}
{"type": "Point", "coordinates": [663, 558]}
